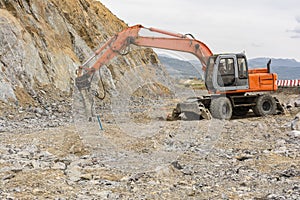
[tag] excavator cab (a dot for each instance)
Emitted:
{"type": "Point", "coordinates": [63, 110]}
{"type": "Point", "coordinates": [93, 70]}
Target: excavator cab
{"type": "Point", "coordinates": [226, 72]}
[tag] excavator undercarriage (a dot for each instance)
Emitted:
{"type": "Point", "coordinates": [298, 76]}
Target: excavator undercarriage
{"type": "Point", "coordinates": [224, 107]}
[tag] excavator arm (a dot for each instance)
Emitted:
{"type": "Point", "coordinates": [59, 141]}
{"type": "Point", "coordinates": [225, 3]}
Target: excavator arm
{"type": "Point", "coordinates": [122, 40]}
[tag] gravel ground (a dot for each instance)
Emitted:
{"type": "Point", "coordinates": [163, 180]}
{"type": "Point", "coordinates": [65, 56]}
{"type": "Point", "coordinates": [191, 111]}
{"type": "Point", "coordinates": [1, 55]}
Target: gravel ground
{"type": "Point", "coordinates": [46, 157]}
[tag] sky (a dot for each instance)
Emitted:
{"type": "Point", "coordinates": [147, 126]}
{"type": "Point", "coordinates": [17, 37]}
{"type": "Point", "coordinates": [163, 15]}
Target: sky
{"type": "Point", "coordinates": [260, 28]}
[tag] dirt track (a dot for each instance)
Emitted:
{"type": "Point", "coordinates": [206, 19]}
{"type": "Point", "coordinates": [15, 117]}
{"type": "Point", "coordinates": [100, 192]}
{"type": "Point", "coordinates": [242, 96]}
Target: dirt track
{"type": "Point", "coordinates": [247, 158]}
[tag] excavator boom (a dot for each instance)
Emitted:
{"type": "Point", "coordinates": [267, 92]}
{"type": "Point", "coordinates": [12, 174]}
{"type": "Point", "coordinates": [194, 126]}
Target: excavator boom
{"type": "Point", "coordinates": [122, 40]}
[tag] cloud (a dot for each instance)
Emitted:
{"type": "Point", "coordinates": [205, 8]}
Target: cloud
{"type": "Point", "coordinates": [295, 36]}
{"type": "Point", "coordinates": [296, 30]}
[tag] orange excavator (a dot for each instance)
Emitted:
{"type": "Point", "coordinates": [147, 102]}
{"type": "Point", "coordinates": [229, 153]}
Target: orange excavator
{"type": "Point", "coordinates": [233, 88]}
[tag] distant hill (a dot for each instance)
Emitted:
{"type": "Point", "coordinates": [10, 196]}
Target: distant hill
{"type": "Point", "coordinates": [257, 62]}
{"type": "Point", "coordinates": [285, 68]}
{"type": "Point", "coordinates": [180, 68]}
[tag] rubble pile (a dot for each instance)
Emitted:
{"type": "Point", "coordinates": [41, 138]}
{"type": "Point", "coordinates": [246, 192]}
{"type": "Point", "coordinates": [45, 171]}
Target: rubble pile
{"type": "Point", "coordinates": [244, 158]}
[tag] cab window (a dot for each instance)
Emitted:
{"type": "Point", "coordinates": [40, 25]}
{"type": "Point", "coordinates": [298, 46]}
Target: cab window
{"type": "Point", "coordinates": [226, 66]}
{"type": "Point", "coordinates": [242, 68]}
{"type": "Point", "coordinates": [209, 73]}
{"type": "Point", "coordinates": [226, 72]}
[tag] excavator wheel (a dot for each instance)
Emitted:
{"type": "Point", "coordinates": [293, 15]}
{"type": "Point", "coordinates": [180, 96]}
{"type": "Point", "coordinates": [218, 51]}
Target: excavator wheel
{"type": "Point", "coordinates": [265, 105]}
{"type": "Point", "coordinates": [221, 108]}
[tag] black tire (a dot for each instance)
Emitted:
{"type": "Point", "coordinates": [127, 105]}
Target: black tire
{"type": "Point", "coordinates": [221, 108]}
{"type": "Point", "coordinates": [242, 111]}
{"type": "Point", "coordinates": [265, 105]}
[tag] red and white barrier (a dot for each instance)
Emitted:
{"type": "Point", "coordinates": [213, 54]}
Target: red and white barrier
{"type": "Point", "coordinates": [288, 83]}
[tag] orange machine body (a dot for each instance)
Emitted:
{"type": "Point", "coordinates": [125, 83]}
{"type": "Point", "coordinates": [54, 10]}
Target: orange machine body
{"type": "Point", "coordinates": [262, 80]}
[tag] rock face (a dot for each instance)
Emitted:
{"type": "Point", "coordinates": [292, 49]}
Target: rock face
{"type": "Point", "coordinates": [43, 42]}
